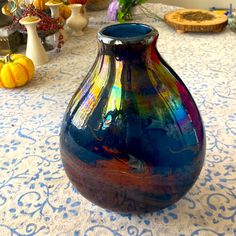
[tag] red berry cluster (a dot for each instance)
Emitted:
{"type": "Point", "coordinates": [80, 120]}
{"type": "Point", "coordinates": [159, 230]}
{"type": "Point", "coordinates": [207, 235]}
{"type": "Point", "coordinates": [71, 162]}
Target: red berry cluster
{"type": "Point", "coordinates": [60, 42]}
{"type": "Point", "coordinates": [45, 27]}
{"type": "Point", "coordinates": [47, 23]}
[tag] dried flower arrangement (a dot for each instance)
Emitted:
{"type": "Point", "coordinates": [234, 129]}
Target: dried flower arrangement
{"type": "Point", "coordinates": [45, 27]}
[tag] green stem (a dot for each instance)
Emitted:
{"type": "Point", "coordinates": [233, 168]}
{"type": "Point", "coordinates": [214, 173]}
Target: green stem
{"type": "Point", "coordinates": [127, 11]}
{"type": "Point", "coordinates": [7, 58]}
{"type": "Point", "coordinates": [149, 13]}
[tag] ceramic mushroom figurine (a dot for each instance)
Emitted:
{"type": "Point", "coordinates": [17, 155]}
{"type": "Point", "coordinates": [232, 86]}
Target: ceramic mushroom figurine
{"type": "Point", "coordinates": [34, 49]}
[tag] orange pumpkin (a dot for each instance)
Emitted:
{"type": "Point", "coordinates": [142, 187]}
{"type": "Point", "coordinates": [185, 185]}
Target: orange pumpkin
{"type": "Point", "coordinates": [65, 11]}
{"type": "Point", "coordinates": [40, 4]}
{"type": "Point", "coordinates": [15, 71]}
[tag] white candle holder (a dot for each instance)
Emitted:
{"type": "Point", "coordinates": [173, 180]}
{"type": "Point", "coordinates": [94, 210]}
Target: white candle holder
{"type": "Point", "coordinates": [34, 48]}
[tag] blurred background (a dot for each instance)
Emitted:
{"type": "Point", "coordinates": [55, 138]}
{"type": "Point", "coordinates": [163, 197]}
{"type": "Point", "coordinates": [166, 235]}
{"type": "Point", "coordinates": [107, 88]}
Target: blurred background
{"type": "Point", "coordinates": [205, 4]}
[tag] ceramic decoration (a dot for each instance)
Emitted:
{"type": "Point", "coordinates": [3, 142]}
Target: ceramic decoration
{"type": "Point", "coordinates": [132, 138]}
{"type": "Point", "coordinates": [84, 13]}
{"type": "Point", "coordinates": [34, 49]}
{"type": "Point", "coordinates": [15, 71]}
{"type": "Point", "coordinates": [54, 6]}
{"type": "Point", "coordinates": [77, 22]}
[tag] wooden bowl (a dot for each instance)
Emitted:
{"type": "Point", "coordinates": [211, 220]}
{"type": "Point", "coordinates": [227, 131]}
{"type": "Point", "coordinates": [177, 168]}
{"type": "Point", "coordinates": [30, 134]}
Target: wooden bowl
{"type": "Point", "coordinates": [196, 20]}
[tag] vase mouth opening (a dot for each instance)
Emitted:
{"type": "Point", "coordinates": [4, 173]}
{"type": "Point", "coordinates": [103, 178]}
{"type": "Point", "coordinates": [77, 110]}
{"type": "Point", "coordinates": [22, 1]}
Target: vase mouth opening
{"type": "Point", "coordinates": [126, 33]}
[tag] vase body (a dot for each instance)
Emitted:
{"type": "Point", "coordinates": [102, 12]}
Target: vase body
{"type": "Point", "coordinates": [132, 138]}
{"type": "Point", "coordinates": [77, 22]}
{"type": "Point", "coordinates": [55, 13]}
{"type": "Point", "coordinates": [85, 15]}
{"type": "Point", "coordinates": [34, 48]}
{"type": "Point", "coordinates": [54, 8]}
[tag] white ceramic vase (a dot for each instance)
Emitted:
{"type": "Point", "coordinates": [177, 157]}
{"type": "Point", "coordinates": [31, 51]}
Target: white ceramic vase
{"type": "Point", "coordinates": [77, 22]}
{"type": "Point", "coordinates": [34, 48]}
{"type": "Point", "coordinates": [84, 12]}
{"type": "Point", "coordinates": [54, 8]}
{"type": "Point", "coordinates": [55, 13]}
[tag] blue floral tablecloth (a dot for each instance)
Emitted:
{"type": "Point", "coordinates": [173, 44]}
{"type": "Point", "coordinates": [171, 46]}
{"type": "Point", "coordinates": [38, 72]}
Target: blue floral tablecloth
{"type": "Point", "coordinates": [36, 197]}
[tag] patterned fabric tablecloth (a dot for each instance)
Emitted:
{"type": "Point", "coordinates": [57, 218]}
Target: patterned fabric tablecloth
{"type": "Point", "coordinates": [36, 197]}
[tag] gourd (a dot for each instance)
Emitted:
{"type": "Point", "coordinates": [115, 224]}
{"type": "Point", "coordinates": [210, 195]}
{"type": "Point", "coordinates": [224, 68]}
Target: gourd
{"type": "Point", "coordinates": [15, 71]}
{"type": "Point", "coordinates": [65, 11]}
{"type": "Point", "coordinates": [40, 4]}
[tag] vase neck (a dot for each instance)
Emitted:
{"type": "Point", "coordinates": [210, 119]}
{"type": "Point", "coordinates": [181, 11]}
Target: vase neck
{"type": "Point", "coordinates": [76, 8]}
{"type": "Point", "coordinates": [31, 28]}
{"type": "Point", "coordinates": [127, 33]}
{"type": "Point", "coordinates": [54, 11]}
{"type": "Point", "coordinates": [126, 51]}
{"type": "Point", "coordinates": [126, 41]}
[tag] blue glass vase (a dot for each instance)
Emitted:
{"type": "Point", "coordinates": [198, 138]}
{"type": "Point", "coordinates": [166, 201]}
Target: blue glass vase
{"type": "Point", "coordinates": [132, 138]}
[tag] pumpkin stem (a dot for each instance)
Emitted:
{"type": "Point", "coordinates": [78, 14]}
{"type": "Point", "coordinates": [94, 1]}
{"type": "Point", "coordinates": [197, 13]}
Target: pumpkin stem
{"type": "Point", "coordinates": [7, 58]}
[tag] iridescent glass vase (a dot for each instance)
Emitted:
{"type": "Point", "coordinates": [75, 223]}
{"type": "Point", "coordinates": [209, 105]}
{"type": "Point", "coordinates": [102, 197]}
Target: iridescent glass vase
{"type": "Point", "coordinates": [132, 138]}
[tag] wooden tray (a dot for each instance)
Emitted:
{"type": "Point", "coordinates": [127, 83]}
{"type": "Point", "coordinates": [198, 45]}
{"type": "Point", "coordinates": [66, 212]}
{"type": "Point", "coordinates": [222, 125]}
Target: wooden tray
{"type": "Point", "coordinates": [196, 20]}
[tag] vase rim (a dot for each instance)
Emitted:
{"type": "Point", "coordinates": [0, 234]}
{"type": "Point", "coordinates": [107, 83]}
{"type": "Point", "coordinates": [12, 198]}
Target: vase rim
{"type": "Point", "coordinates": [74, 5]}
{"type": "Point", "coordinates": [126, 33]}
{"type": "Point", "coordinates": [51, 4]}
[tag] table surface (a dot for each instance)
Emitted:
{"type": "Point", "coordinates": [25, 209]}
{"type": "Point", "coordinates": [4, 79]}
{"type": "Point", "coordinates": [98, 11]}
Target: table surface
{"type": "Point", "coordinates": [36, 197]}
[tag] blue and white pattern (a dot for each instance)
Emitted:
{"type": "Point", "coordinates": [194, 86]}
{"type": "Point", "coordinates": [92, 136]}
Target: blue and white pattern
{"type": "Point", "coordinates": [36, 197]}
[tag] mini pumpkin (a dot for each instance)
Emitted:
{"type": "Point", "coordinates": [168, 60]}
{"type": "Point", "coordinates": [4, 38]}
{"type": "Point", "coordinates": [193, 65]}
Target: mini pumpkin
{"type": "Point", "coordinates": [65, 11]}
{"type": "Point", "coordinates": [40, 4]}
{"type": "Point", "coordinates": [16, 71]}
